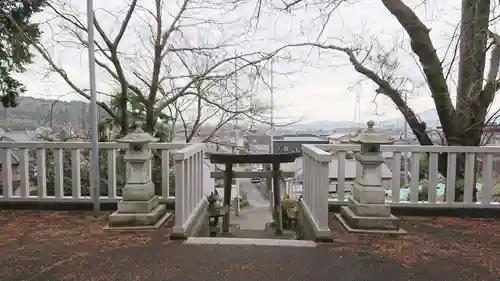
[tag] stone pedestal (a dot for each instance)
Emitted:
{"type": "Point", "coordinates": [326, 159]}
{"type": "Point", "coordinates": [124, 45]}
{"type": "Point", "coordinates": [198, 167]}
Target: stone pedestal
{"type": "Point", "coordinates": [366, 210]}
{"type": "Point", "coordinates": [140, 207]}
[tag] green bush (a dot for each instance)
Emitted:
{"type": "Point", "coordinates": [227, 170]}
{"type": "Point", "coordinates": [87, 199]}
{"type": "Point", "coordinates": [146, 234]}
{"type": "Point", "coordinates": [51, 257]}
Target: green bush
{"type": "Point", "coordinates": [423, 192]}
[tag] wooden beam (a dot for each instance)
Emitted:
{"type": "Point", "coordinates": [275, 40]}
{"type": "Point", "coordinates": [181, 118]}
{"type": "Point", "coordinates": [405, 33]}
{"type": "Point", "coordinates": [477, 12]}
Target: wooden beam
{"type": "Point", "coordinates": [250, 174]}
{"type": "Point", "coordinates": [223, 158]}
{"type": "Point", "coordinates": [228, 181]}
{"type": "Point", "coordinates": [277, 198]}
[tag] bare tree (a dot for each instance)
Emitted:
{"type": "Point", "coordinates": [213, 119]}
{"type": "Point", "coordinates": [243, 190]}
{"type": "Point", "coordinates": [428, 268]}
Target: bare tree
{"type": "Point", "coordinates": [220, 100]}
{"type": "Point", "coordinates": [473, 47]}
{"type": "Point", "coordinates": [154, 69]}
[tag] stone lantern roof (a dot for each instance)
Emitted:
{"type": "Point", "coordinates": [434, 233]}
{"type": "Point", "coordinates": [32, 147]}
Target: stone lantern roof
{"type": "Point", "coordinates": [371, 136]}
{"type": "Point", "coordinates": [138, 136]}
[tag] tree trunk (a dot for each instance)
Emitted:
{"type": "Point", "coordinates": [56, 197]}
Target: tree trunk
{"type": "Point", "coordinates": [149, 127]}
{"type": "Point", "coordinates": [124, 126]}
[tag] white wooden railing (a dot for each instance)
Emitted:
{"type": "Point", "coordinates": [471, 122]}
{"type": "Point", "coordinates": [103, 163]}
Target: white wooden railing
{"type": "Point", "coordinates": [21, 172]}
{"type": "Point", "coordinates": [190, 179]}
{"type": "Point", "coordinates": [472, 154]}
{"type": "Point", "coordinates": [315, 185]}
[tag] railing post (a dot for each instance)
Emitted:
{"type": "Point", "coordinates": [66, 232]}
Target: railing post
{"type": "Point", "coordinates": [305, 178]}
{"type": "Point", "coordinates": [185, 185]}
{"type": "Point", "coordinates": [189, 185]}
{"type": "Point", "coordinates": [7, 172]}
{"type": "Point", "coordinates": [201, 168]}
{"type": "Point", "coordinates": [165, 174]}
{"type": "Point", "coordinates": [179, 193]}
{"type": "Point", "coordinates": [323, 188]}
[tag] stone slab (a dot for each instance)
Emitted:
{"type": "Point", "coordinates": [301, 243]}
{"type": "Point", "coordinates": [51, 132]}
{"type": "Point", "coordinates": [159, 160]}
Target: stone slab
{"type": "Point", "coordinates": [249, 241]}
{"type": "Point", "coordinates": [138, 192]}
{"type": "Point", "coordinates": [368, 210]}
{"type": "Point", "coordinates": [359, 222]}
{"type": "Point", "coordinates": [367, 231]}
{"type": "Point", "coordinates": [131, 207]}
{"type": "Point", "coordinates": [368, 195]}
{"type": "Point", "coordinates": [160, 222]}
{"type": "Point", "coordinates": [137, 219]}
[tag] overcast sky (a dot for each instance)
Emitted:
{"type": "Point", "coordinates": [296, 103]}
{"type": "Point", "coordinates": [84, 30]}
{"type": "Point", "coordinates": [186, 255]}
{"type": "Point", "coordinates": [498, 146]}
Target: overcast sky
{"type": "Point", "coordinates": [320, 88]}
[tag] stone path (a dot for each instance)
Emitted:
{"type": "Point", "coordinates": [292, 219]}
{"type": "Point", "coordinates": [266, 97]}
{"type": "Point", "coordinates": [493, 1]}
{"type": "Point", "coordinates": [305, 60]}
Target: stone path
{"type": "Point", "coordinates": [258, 214]}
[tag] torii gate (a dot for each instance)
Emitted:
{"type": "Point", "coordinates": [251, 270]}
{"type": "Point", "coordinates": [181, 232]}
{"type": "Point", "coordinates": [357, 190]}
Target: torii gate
{"type": "Point", "coordinates": [275, 159]}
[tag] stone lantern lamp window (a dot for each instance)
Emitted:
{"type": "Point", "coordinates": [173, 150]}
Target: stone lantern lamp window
{"type": "Point", "coordinates": [137, 148]}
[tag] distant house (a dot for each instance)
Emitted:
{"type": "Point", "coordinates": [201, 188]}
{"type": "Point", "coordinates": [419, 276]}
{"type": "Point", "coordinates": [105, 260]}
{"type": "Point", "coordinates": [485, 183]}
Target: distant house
{"type": "Point", "coordinates": [15, 136]}
{"type": "Point", "coordinates": [293, 143]}
{"type": "Point", "coordinates": [257, 142]}
{"type": "Point", "coordinates": [339, 137]}
{"type": "Point", "coordinates": [254, 138]}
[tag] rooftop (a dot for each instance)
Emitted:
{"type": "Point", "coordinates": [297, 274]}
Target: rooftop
{"type": "Point", "coordinates": [300, 138]}
{"type": "Point", "coordinates": [38, 245]}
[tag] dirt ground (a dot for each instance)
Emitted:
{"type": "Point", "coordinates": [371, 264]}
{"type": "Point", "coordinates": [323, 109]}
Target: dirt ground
{"type": "Point", "coordinates": [48, 245]}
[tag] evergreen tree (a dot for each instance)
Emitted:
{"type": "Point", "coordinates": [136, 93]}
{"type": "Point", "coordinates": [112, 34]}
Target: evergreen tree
{"type": "Point", "coordinates": [14, 45]}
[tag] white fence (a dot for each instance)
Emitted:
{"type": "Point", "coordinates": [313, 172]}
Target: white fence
{"type": "Point", "coordinates": [485, 176]}
{"type": "Point", "coordinates": [317, 164]}
{"type": "Point", "coordinates": [32, 159]}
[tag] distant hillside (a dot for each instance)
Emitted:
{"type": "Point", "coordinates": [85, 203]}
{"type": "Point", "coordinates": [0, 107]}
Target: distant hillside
{"type": "Point", "coordinates": [428, 116]}
{"type": "Point", "coordinates": [32, 113]}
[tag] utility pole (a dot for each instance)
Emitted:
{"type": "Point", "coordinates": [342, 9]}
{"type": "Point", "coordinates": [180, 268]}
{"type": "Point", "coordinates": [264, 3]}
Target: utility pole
{"type": "Point", "coordinates": [271, 82]}
{"type": "Point", "coordinates": [237, 142]}
{"type": "Point", "coordinates": [357, 111]}
{"type": "Point", "coordinates": [95, 186]}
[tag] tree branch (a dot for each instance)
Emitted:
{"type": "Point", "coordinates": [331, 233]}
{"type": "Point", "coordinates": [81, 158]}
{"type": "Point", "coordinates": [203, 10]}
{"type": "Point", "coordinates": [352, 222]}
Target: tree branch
{"type": "Point", "coordinates": [423, 47]}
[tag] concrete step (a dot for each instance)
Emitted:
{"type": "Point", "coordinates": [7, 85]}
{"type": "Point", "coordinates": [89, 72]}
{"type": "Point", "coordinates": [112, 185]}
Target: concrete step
{"type": "Point", "coordinates": [248, 241]}
{"type": "Point", "coordinates": [235, 232]}
{"type": "Point", "coordinates": [361, 222]}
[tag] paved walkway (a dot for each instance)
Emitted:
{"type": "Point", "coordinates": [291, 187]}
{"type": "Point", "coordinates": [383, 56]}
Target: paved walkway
{"type": "Point", "coordinates": [258, 214]}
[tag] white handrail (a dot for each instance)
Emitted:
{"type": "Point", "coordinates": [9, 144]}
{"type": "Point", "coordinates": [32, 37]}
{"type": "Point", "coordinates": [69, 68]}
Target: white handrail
{"type": "Point", "coordinates": [189, 183]}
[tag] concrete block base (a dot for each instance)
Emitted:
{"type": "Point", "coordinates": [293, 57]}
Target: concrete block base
{"type": "Point", "coordinates": [368, 195]}
{"type": "Point", "coordinates": [132, 207]}
{"type": "Point", "coordinates": [117, 219]}
{"type": "Point", "coordinates": [157, 225]}
{"type": "Point", "coordinates": [369, 224]}
{"type": "Point", "coordinates": [367, 231]}
{"type": "Point", "coordinates": [368, 210]}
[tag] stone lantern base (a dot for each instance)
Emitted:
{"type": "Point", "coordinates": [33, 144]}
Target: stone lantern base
{"type": "Point", "coordinates": [139, 209]}
{"type": "Point", "coordinates": [366, 213]}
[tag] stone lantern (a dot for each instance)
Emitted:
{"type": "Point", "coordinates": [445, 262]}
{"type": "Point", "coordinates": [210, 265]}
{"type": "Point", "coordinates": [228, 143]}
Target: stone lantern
{"type": "Point", "coordinates": [140, 206]}
{"type": "Point", "coordinates": [367, 210]}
